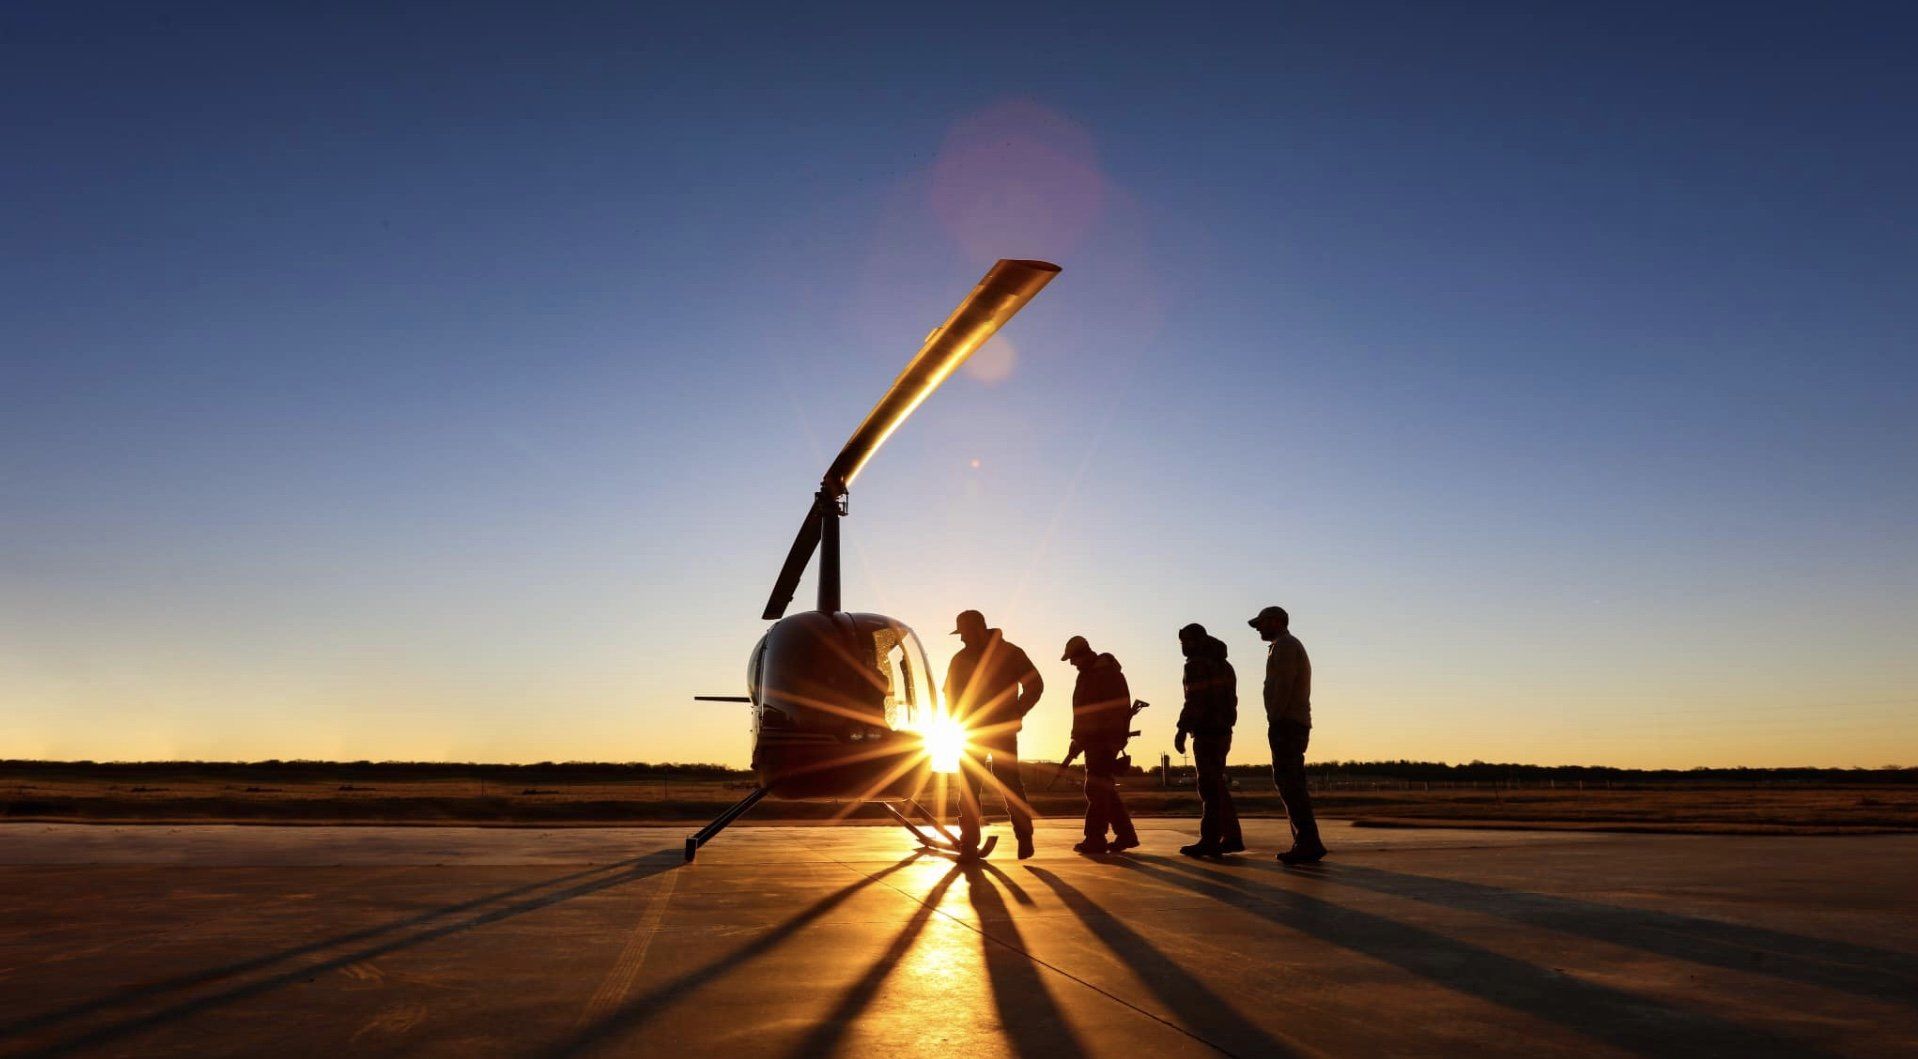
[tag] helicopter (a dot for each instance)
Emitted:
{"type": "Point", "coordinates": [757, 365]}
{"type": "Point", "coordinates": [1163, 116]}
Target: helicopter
{"type": "Point", "coordinates": [844, 703]}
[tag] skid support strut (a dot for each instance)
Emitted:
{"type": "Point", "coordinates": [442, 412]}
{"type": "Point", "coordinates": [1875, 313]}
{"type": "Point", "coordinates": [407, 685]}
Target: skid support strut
{"type": "Point", "coordinates": [925, 840]}
{"type": "Point", "coordinates": [738, 809]}
{"type": "Point", "coordinates": [934, 835]}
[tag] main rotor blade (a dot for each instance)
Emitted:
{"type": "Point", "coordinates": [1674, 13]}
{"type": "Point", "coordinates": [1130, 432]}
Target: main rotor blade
{"type": "Point", "coordinates": [804, 545]}
{"type": "Point", "coordinates": [1006, 289]}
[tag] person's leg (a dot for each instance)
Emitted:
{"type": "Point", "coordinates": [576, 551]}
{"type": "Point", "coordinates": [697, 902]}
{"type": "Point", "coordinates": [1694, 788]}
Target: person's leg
{"type": "Point", "coordinates": [1209, 761]}
{"type": "Point", "coordinates": [1230, 837]}
{"type": "Point", "coordinates": [1098, 786]}
{"type": "Point", "coordinates": [972, 767]}
{"type": "Point", "coordinates": [1098, 799]}
{"type": "Point", "coordinates": [1012, 787]}
{"type": "Point", "coordinates": [1005, 765]}
{"type": "Point", "coordinates": [1307, 827]}
{"type": "Point", "coordinates": [1288, 766]}
{"type": "Point", "coordinates": [1123, 833]}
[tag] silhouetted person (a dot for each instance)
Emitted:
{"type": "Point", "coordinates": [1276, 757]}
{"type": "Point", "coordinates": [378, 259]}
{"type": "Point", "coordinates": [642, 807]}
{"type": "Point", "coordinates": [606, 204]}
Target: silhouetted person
{"type": "Point", "coordinates": [1101, 715]}
{"type": "Point", "coordinates": [990, 687]}
{"type": "Point", "coordinates": [1288, 712]}
{"type": "Point", "coordinates": [1211, 709]}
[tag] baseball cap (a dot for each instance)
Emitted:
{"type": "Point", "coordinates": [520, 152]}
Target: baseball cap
{"type": "Point", "coordinates": [1271, 616]}
{"type": "Point", "coordinates": [1074, 648]}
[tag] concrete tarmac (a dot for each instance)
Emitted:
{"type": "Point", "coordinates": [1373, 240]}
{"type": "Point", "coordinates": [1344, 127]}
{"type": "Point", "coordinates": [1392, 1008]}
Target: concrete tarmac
{"type": "Point", "coordinates": [779, 941]}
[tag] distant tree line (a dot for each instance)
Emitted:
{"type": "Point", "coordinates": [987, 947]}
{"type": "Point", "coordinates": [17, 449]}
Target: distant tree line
{"type": "Point", "coordinates": [1476, 772]}
{"type": "Point", "coordinates": [576, 771]}
{"type": "Point", "coordinates": [1489, 772]}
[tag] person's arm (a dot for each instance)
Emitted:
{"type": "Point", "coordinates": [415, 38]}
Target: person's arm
{"type": "Point", "coordinates": [1281, 677]}
{"type": "Point", "coordinates": [1189, 710]}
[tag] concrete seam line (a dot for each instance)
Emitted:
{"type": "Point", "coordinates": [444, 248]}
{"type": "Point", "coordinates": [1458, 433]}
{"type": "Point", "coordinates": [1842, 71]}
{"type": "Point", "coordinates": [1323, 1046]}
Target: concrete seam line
{"type": "Point", "coordinates": [1054, 968]}
{"type": "Point", "coordinates": [625, 970]}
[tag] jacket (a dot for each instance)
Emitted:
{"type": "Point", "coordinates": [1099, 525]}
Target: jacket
{"type": "Point", "coordinates": [1101, 704]}
{"type": "Point", "coordinates": [1211, 690]}
{"type": "Point", "coordinates": [992, 686]}
{"type": "Point", "coordinates": [1288, 682]}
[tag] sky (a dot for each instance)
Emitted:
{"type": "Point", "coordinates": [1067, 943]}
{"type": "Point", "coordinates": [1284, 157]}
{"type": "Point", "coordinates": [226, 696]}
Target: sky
{"type": "Point", "coordinates": [446, 381]}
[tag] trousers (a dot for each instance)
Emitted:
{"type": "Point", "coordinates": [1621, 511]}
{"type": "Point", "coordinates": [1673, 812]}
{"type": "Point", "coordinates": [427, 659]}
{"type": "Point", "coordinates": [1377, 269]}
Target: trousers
{"type": "Point", "coordinates": [1289, 739]}
{"type": "Point", "coordinates": [1104, 808]}
{"type": "Point", "coordinates": [1218, 817]}
{"type": "Point", "coordinates": [1002, 767]}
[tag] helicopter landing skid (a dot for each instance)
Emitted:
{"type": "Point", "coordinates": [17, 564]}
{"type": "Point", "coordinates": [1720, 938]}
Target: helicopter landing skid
{"type": "Point", "coordinates": [958, 848]}
{"type": "Point", "coordinates": [734, 812]}
{"type": "Point", "coordinates": [964, 853]}
{"type": "Point", "coordinates": [939, 841]}
{"type": "Point", "coordinates": [925, 840]}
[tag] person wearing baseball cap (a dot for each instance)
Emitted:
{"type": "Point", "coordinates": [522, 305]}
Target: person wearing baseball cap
{"type": "Point", "coordinates": [990, 687]}
{"type": "Point", "coordinates": [1101, 713]}
{"type": "Point", "coordinates": [1288, 715]}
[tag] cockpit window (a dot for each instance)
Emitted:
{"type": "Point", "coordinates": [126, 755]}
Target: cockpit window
{"type": "Point", "coordinates": [909, 702]}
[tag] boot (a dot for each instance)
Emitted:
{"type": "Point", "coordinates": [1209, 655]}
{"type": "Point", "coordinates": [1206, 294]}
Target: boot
{"type": "Point", "coordinates": [1232, 845]}
{"type": "Point", "coordinates": [1091, 847]}
{"type": "Point", "coordinates": [1025, 846]}
{"type": "Point", "coordinates": [1200, 849]}
{"type": "Point", "coordinates": [1299, 855]}
{"type": "Point", "coordinates": [1121, 843]}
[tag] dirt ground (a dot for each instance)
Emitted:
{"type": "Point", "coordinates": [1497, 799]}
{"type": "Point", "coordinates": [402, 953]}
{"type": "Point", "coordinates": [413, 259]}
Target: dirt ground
{"type": "Point", "coordinates": [391, 795]}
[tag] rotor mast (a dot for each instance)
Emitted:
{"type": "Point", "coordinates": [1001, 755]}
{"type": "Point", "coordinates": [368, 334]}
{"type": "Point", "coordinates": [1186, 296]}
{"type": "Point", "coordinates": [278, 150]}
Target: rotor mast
{"type": "Point", "coordinates": [1006, 289]}
{"type": "Point", "coordinates": [831, 510]}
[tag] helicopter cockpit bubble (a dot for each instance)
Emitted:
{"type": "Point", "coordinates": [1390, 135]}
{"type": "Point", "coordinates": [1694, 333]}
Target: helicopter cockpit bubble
{"type": "Point", "coordinates": [912, 698]}
{"type": "Point", "coordinates": [842, 673]}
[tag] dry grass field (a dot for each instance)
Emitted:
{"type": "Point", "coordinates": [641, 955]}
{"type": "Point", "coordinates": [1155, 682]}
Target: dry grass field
{"type": "Point", "coordinates": [611, 795]}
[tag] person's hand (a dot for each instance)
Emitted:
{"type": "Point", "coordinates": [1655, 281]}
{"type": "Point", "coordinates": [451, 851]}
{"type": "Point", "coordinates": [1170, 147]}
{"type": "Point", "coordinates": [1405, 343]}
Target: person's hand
{"type": "Point", "coordinates": [1178, 742]}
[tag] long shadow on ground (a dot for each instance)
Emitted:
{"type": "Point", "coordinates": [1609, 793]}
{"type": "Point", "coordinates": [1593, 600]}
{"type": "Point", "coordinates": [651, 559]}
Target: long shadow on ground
{"type": "Point", "coordinates": [1033, 1023]}
{"type": "Point", "coordinates": [832, 1027]}
{"type": "Point", "coordinates": [1618, 1018]}
{"type": "Point", "coordinates": [634, 1014]}
{"type": "Point", "coordinates": [114, 1031]}
{"type": "Point", "coordinates": [153, 990]}
{"type": "Point", "coordinates": [1840, 965]}
{"type": "Point", "coordinates": [1205, 1013]}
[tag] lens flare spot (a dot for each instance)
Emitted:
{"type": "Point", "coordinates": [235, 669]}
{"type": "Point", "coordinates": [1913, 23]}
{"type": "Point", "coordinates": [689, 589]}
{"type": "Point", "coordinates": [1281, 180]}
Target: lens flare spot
{"type": "Point", "coordinates": [994, 361]}
{"type": "Point", "coordinates": [945, 741]}
{"type": "Point", "coordinates": [1018, 175]}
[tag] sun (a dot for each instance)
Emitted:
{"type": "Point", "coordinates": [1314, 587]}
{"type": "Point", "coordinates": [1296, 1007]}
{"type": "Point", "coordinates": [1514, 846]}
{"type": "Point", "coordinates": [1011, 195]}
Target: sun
{"type": "Point", "coordinates": [945, 741]}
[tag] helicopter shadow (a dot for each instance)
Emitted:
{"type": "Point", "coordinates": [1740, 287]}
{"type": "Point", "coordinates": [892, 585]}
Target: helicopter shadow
{"type": "Point", "coordinates": [522, 900]}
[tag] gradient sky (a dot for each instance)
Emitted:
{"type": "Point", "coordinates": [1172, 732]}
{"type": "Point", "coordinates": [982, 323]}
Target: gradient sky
{"type": "Point", "coordinates": [446, 381]}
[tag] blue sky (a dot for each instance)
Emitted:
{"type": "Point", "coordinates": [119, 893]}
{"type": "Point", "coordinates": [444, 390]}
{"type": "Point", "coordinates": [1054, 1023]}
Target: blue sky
{"type": "Point", "coordinates": [447, 382]}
